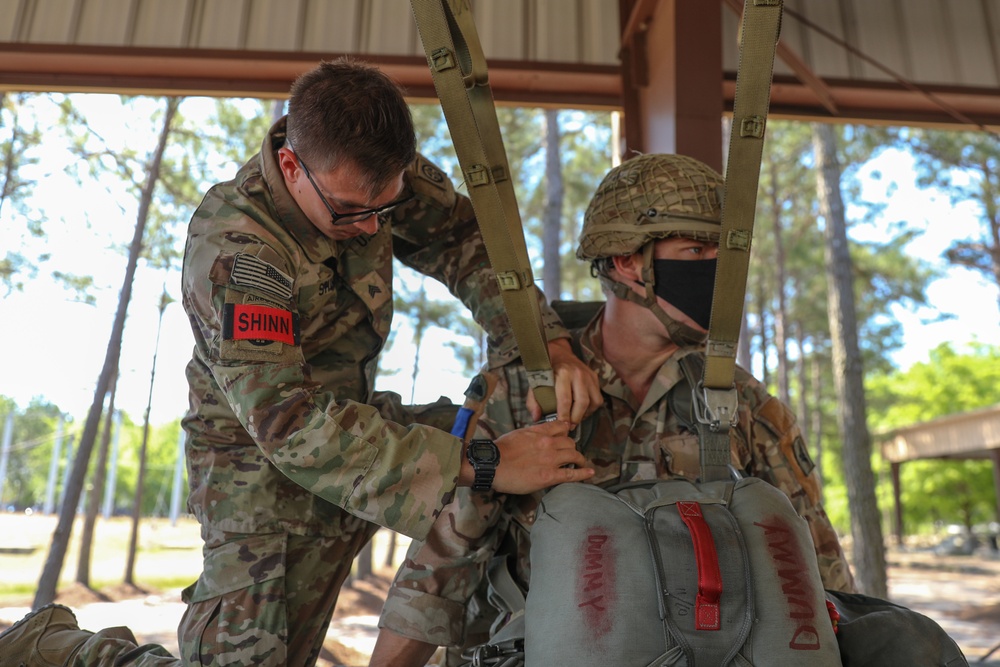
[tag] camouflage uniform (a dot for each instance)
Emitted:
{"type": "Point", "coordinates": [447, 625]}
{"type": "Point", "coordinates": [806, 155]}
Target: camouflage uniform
{"type": "Point", "coordinates": [624, 442]}
{"type": "Point", "coordinates": [293, 460]}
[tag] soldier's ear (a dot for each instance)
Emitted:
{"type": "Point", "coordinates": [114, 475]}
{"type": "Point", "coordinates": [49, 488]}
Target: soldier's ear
{"type": "Point", "coordinates": [288, 164]}
{"type": "Point", "coordinates": [629, 266]}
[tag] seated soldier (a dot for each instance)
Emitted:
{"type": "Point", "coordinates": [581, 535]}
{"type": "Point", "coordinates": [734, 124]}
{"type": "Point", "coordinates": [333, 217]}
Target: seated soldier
{"type": "Point", "coordinates": [651, 232]}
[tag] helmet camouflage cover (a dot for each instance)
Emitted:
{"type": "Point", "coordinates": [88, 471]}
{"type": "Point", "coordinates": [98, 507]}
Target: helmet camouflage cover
{"type": "Point", "coordinates": [651, 197]}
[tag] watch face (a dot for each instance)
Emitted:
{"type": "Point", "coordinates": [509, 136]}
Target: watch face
{"type": "Point", "coordinates": [483, 451]}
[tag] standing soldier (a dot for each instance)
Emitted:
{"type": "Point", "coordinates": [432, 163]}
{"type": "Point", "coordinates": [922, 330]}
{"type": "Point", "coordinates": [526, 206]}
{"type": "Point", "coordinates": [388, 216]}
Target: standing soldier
{"type": "Point", "coordinates": [293, 459]}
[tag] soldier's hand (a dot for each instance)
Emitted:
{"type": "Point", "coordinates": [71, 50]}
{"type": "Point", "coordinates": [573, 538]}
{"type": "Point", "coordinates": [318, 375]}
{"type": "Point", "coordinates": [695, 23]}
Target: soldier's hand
{"type": "Point", "coordinates": [578, 391]}
{"type": "Point", "coordinates": [533, 457]}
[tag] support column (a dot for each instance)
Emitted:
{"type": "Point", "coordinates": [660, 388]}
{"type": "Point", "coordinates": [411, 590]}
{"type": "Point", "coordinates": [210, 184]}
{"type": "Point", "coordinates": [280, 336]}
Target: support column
{"type": "Point", "coordinates": [898, 502]}
{"type": "Point", "coordinates": [672, 78]}
{"type": "Point", "coordinates": [995, 453]}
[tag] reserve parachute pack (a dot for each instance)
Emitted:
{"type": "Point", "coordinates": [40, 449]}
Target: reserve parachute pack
{"type": "Point", "coordinates": [675, 574]}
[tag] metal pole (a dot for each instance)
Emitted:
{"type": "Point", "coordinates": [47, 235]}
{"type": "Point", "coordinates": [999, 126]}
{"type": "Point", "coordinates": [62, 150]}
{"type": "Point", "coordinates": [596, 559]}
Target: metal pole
{"type": "Point", "coordinates": [50, 485]}
{"type": "Point", "coordinates": [109, 487]}
{"type": "Point", "coordinates": [8, 435]}
{"type": "Point", "coordinates": [66, 470]}
{"type": "Point", "coordinates": [175, 496]}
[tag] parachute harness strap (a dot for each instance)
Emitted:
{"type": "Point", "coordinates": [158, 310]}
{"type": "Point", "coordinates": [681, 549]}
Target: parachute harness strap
{"type": "Point", "coordinates": [458, 68]}
{"type": "Point", "coordinates": [715, 396]}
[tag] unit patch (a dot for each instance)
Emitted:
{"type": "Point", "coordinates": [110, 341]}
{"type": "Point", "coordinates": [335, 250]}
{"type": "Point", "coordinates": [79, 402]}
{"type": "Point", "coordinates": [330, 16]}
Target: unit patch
{"type": "Point", "coordinates": [259, 324]}
{"type": "Point", "coordinates": [802, 455]}
{"type": "Point", "coordinates": [432, 173]}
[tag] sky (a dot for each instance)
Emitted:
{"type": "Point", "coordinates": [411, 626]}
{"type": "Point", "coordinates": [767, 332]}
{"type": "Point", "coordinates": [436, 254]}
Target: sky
{"type": "Point", "coordinates": [55, 347]}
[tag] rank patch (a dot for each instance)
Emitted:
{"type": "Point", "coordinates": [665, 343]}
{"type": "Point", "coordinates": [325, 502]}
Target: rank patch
{"type": "Point", "coordinates": [259, 323]}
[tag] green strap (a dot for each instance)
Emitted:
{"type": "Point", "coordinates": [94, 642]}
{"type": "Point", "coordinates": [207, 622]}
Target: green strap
{"type": "Point", "coordinates": [686, 403]}
{"type": "Point", "coordinates": [458, 68]}
{"type": "Point", "coordinates": [716, 398]}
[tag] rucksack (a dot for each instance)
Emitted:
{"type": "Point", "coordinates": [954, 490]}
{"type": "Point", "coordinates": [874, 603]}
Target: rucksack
{"type": "Point", "coordinates": [877, 633]}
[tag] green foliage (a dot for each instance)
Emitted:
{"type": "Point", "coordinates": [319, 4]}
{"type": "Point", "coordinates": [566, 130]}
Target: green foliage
{"type": "Point", "coordinates": [20, 138]}
{"type": "Point", "coordinates": [835, 494]}
{"type": "Point", "coordinates": [941, 493]}
{"type": "Point", "coordinates": [885, 275]}
{"type": "Point", "coordinates": [585, 151]}
{"type": "Point", "coordinates": [33, 442]}
{"type": "Point", "coordinates": [114, 165]}
{"type": "Point", "coordinates": [949, 382]}
{"type": "Point", "coordinates": [161, 459]}
{"type": "Point", "coordinates": [210, 138]}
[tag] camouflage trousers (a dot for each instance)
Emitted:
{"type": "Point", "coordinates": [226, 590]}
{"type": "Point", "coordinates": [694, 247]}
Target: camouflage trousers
{"type": "Point", "coordinates": [261, 600]}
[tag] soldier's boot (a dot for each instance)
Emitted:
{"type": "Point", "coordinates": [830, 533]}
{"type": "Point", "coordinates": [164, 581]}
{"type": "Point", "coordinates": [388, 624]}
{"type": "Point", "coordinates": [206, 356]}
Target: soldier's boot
{"type": "Point", "coordinates": [49, 637]}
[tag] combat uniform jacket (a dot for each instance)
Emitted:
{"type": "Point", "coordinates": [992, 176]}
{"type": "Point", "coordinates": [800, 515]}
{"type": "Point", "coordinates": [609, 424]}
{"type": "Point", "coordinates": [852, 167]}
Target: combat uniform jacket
{"type": "Point", "coordinates": [285, 433]}
{"type": "Point", "coordinates": [624, 442]}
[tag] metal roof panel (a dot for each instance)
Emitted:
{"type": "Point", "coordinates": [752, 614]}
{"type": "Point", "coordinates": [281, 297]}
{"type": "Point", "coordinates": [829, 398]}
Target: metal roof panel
{"type": "Point", "coordinates": [502, 31]}
{"type": "Point", "coordinates": [334, 22]}
{"type": "Point", "coordinates": [545, 49]}
{"type": "Point", "coordinates": [218, 25]}
{"type": "Point", "coordinates": [162, 23]}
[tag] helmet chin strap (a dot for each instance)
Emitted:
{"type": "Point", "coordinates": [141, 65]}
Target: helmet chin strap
{"type": "Point", "coordinates": [680, 333]}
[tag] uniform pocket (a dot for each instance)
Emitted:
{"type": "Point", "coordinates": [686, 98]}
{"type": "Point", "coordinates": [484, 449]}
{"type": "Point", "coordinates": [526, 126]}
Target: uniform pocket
{"type": "Point", "coordinates": [236, 612]}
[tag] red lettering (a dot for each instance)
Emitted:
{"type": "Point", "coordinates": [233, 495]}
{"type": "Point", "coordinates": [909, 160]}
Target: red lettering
{"type": "Point", "coordinates": [593, 603]}
{"type": "Point", "coordinates": [597, 581]}
{"type": "Point", "coordinates": [795, 586]}
{"type": "Point", "coordinates": [805, 639]}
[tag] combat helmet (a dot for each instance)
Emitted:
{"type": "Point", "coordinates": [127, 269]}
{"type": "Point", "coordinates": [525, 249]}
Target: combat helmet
{"type": "Point", "coordinates": [646, 198]}
{"type": "Point", "coordinates": [650, 197]}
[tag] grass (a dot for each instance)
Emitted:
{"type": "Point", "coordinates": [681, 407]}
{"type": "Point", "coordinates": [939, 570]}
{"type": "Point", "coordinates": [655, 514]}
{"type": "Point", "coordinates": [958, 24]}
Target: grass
{"type": "Point", "coordinates": [168, 557]}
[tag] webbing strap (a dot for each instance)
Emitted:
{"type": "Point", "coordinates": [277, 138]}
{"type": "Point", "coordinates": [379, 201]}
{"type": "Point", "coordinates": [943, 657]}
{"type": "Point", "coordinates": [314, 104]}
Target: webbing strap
{"type": "Point", "coordinates": [713, 434]}
{"type": "Point", "coordinates": [458, 68]}
{"type": "Point", "coordinates": [758, 41]}
{"type": "Point", "coordinates": [715, 396]}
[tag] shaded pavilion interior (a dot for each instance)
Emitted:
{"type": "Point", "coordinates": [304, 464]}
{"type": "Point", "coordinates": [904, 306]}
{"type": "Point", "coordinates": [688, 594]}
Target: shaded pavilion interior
{"type": "Point", "coordinates": [669, 66]}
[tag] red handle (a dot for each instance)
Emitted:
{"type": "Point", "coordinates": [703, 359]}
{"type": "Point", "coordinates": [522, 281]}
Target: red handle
{"type": "Point", "coordinates": [707, 616]}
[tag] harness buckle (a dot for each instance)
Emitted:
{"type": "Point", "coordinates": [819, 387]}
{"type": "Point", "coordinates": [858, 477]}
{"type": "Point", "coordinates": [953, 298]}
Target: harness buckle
{"type": "Point", "coordinates": [491, 655]}
{"type": "Point", "coordinates": [716, 408]}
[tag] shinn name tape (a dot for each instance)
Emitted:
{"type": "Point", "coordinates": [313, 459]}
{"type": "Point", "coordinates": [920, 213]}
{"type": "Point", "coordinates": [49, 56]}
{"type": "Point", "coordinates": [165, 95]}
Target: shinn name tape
{"type": "Point", "coordinates": [252, 322]}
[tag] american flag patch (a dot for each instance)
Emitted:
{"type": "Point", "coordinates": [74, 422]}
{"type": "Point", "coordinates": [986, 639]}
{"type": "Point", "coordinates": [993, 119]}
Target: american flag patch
{"type": "Point", "coordinates": [251, 271]}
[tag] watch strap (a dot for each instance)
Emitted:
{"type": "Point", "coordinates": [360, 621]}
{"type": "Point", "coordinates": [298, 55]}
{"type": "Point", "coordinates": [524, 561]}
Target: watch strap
{"type": "Point", "coordinates": [483, 480]}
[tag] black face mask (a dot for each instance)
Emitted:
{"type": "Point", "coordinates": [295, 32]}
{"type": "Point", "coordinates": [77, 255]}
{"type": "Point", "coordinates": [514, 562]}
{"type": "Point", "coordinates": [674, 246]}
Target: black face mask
{"type": "Point", "coordinates": [687, 285]}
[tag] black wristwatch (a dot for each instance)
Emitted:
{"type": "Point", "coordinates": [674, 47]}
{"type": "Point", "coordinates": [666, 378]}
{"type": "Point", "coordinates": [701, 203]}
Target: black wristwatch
{"type": "Point", "coordinates": [484, 455]}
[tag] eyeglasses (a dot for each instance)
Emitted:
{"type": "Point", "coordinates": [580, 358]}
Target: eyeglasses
{"type": "Point", "coordinates": [357, 216]}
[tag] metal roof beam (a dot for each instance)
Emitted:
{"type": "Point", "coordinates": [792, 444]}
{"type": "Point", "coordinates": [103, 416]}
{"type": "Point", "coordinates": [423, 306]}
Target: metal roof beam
{"type": "Point", "coordinates": [68, 68]}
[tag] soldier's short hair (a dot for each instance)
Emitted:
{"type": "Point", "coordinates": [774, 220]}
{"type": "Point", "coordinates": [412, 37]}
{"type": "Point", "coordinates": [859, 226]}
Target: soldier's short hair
{"type": "Point", "coordinates": [347, 111]}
